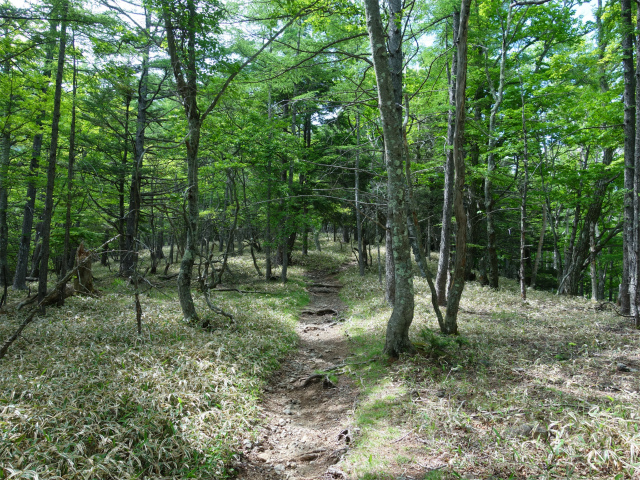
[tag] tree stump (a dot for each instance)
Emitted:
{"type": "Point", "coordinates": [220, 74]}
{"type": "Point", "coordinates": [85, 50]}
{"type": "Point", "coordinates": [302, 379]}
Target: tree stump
{"type": "Point", "coordinates": [83, 282]}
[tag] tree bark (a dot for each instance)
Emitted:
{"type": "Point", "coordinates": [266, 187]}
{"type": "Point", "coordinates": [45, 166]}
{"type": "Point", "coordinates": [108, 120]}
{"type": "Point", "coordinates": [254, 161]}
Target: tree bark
{"type": "Point", "coordinates": [72, 157]}
{"type": "Point", "coordinates": [449, 177]}
{"type": "Point", "coordinates": [498, 96]}
{"type": "Point", "coordinates": [536, 265]}
{"type": "Point", "coordinates": [130, 257]}
{"type": "Point", "coordinates": [361, 252]}
{"type": "Point", "coordinates": [458, 277]}
{"type": "Point", "coordinates": [395, 66]}
{"type": "Point", "coordinates": [523, 201]}
{"type": "Point", "coordinates": [51, 168]}
{"type": "Point", "coordinates": [397, 337]}
{"type": "Point", "coordinates": [636, 180]}
{"type": "Point", "coordinates": [630, 247]}
{"type": "Point", "coordinates": [22, 261]}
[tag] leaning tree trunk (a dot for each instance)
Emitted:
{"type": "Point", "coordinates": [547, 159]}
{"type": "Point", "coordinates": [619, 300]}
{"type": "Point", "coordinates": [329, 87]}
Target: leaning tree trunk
{"type": "Point", "coordinates": [51, 168]}
{"type": "Point", "coordinates": [397, 339]}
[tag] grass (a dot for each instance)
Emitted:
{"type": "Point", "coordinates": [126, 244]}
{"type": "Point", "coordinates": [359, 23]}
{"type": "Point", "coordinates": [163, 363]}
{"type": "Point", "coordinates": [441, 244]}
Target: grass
{"type": "Point", "coordinates": [460, 406]}
{"type": "Point", "coordinates": [83, 397]}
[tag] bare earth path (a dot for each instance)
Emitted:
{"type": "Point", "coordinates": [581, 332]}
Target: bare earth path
{"type": "Point", "coordinates": [306, 426]}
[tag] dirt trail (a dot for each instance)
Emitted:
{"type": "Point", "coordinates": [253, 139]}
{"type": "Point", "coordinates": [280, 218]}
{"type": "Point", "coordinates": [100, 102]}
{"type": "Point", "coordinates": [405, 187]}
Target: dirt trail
{"type": "Point", "coordinates": [307, 415]}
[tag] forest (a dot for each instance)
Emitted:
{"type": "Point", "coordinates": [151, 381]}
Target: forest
{"type": "Point", "coordinates": [319, 239]}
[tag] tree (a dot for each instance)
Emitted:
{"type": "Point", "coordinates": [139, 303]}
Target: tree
{"type": "Point", "coordinates": [397, 338]}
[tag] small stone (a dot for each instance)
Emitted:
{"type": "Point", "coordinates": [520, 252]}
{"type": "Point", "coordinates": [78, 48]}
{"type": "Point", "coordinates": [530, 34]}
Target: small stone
{"type": "Point", "coordinates": [279, 468]}
{"type": "Point", "coordinates": [623, 368]}
{"type": "Point", "coordinates": [263, 457]}
{"type": "Point", "coordinates": [282, 422]}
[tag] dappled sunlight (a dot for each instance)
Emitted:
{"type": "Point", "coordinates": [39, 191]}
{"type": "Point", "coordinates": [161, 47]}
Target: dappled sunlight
{"type": "Point", "coordinates": [533, 389]}
{"type": "Point", "coordinates": [82, 396]}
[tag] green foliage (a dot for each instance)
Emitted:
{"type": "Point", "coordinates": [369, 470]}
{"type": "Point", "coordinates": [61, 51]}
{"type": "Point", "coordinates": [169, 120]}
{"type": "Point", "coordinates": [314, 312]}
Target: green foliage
{"type": "Point", "coordinates": [442, 348]}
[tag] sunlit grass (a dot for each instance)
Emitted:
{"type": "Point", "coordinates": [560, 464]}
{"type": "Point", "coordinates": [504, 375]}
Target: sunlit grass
{"type": "Point", "coordinates": [83, 397]}
{"type": "Point", "coordinates": [548, 363]}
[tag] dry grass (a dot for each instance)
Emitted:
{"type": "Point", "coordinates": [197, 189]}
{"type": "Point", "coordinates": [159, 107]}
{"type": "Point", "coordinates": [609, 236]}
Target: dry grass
{"type": "Point", "coordinates": [461, 410]}
{"type": "Point", "coordinates": [83, 397]}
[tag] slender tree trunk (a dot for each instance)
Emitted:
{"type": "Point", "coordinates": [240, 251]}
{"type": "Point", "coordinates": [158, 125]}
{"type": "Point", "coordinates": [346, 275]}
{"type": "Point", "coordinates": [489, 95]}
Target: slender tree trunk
{"type": "Point", "coordinates": [51, 168]}
{"type": "Point", "coordinates": [70, 167]}
{"type": "Point", "coordinates": [361, 252]}
{"type": "Point", "coordinates": [267, 243]}
{"type": "Point", "coordinates": [592, 262]}
{"type": "Point", "coordinates": [449, 175]}
{"type": "Point", "coordinates": [130, 257]}
{"type": "Point", "coordinates": [5, 157]}
{"type": "Point", "coordinates": [523, 202]}
{"type": "Point", "coordinates": [636, 180]}
{"type": "Point", "coordinates": [458, 277]}
{"type": "Point", "coordinates": [397, 338]}
{"type": "Point", "coordinates": [22, 261]}
{"type": "Point", "coordinates": [630, 247]}
{"type": "Point", "coordinates": [498, 96]}
{"type": "Point", "coordinates": [536, 265]}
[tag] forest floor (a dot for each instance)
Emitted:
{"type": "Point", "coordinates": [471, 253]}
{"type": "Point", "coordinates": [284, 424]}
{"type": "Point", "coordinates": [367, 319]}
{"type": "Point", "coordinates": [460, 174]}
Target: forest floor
{"type": "Point", "coordinates": [296, 386]}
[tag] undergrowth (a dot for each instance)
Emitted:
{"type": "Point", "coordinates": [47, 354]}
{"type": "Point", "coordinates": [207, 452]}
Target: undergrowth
{"type": "Point", "coordinates": [82, 396]}
{"type": "Point", "coordinates": [530, 390]}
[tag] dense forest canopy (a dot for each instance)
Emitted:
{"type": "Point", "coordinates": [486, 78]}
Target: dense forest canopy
{"type": "Point", "coordinates": [499, 134]}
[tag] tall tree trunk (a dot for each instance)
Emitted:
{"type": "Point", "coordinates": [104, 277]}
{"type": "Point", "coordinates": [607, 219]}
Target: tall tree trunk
{"type": "Point", "coordinates": [636, 181]}
{"type": "Point", "coordinates": [523, 202]}
{"type": "Point", "coordinates": [267, 243]}
{"type": "Point", "coordinates": [458, 277]}
{"type": "Point", "coordinates": [630, 249]}
{"type": "Point", "coordinates": [5, 157]}
{"type": "Point", "coordinates": [395, 66]}
{"type": "Point", "coordinates": [72, 157]}
{"type": "Point", "coordinates": [449, 176]}
{"type": "Point", "coordinates": [397, 338]}
{"type": "Point", "coordinates": [51, 167]}
{"type": "Point", "coordinates": [361, 252]}
{"type": "Point", "coordinates": [22, 261]}
{"type": "Point", "coordinates": [498, 96]}
{"type": "Point", "coordinates": [130, 257]}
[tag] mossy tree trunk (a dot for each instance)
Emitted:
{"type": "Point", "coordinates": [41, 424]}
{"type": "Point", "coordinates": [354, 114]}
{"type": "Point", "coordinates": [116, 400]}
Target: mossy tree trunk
{"type": "Point", "coordinates": [397, 339]}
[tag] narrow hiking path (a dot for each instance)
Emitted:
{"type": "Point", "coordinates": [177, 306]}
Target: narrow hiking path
{"type": "Point", "coordinates": [307, 412]}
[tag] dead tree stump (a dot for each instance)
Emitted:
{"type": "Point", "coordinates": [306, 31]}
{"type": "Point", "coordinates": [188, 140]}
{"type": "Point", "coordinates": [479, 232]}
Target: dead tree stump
{"type": "Point", "coordinates": [83, 282]}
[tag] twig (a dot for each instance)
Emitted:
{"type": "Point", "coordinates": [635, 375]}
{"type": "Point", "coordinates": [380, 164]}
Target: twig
{"type": "Point", "coordinates": [402, 437]}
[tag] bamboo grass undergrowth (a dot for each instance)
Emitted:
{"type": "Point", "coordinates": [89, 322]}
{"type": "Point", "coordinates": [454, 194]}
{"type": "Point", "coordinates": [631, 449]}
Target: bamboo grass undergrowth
{"type": "Point", "coordinates": [83, 396]}
{"type": "Point", "coordinates": [531, 390]}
